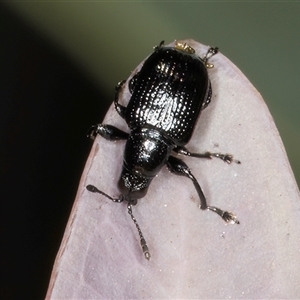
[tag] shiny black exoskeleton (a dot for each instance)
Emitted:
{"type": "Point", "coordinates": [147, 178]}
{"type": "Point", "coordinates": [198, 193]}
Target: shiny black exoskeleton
{"type": "Point", "coordinates": [167, 96]}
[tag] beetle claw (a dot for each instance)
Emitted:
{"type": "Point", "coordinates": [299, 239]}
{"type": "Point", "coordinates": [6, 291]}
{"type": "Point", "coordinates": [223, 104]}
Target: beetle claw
{"type": "Point", "coordinates": [228, 158]}
{"type": "Point", "coordinates": [230, 218]}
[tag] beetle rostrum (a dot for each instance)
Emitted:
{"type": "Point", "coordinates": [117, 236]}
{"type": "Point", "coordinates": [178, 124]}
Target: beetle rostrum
{"type": "Point", "coordinates": [167, 96]}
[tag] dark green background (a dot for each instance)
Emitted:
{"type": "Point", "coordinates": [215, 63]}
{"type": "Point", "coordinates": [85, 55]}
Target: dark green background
{"type": "Point", "coordinates": [106, 40]}
{"type": "Point", "coordinates": [60, 61]}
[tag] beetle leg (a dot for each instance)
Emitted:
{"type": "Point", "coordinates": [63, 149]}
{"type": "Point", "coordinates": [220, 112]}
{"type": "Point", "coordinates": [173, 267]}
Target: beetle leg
{"type": "Point", "coordinates": [121, 110]}
{"type": "Point", "coordinates": [208, 97]}
{"type": "Point", "coordinates": [178, 167]}
{"type": "Point", "coordinates": [161, 44]}
{"type": "Point", "coordinates": [132, 82]}
{"type": "Point", "coordinates": [109, 132]}
{"type": "Point", "coordinates": [228, 158]}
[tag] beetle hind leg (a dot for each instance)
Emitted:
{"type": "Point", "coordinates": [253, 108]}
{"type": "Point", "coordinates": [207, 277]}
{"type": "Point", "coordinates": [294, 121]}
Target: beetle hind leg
{"type": "Point", "coordinates": [178, 167]}
{"type": "Point", "coordinates": [208, 97]}
{"type": "Point", "coordinates": [121, 110]}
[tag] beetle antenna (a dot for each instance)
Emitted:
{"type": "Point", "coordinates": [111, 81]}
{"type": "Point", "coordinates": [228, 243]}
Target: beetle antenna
{"type": "Point", "coordinates": [93, 189]}
{"type": "Point", "coordinates": [142, 239]}
{"type": "Point", "coordinates": [210, 52]}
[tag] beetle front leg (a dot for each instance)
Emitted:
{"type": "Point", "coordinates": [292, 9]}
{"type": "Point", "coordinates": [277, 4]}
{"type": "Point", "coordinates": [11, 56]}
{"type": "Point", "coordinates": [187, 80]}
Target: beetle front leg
{"type": "Point", "coordinates": [121, 110]}
{"type": "Point", "coordinates": [109, 132]}
{"type": "Point", "coordinates": [178, 167]}
{"type": "Point", "coordinates": [228, 158]}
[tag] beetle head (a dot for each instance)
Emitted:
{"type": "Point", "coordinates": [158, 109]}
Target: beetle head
{"type": "Point", "coordinates": [133, 186]}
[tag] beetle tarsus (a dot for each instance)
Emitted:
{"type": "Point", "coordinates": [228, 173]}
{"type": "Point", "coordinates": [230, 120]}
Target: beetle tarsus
{"type": "Point", "coordinates": [228, 217]}
{"type": "Point", "coordinates": [210, 52]}
{"type": "Point", "coordinates": [228, 158]}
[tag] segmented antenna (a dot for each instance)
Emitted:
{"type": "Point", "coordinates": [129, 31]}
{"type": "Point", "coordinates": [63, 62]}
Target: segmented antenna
{"type": "Point", "coordinates": [142, 239]}
{"type": "Point", "coordinates": [143, 242]}
{"type": "Point", "coordinates": [93, 189]}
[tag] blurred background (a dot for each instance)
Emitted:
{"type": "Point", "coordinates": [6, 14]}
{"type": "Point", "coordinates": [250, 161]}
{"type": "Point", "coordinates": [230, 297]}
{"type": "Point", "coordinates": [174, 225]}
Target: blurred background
{"type": "Point", "coordinates": [60, 61]}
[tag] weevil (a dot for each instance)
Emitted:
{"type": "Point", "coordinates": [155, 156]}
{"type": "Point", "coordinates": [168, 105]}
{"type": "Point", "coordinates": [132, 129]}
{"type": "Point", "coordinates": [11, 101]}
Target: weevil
{"type": "Point", "coordinates": [168, 94]}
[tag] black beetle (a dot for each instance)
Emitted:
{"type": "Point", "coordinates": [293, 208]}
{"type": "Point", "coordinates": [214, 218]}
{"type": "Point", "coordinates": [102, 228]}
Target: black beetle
{"type": "Point", "coordinates": [167, 96]}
